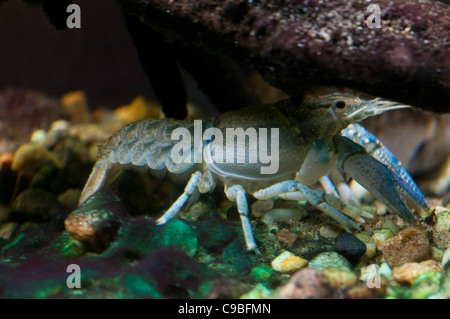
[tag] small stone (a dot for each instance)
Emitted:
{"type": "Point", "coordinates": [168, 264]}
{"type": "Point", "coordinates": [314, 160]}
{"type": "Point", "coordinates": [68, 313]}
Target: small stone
{"type": "Point", "coordinates": [262, 274]}
{"type": "Point", "coordinates": [380, 236]}
{"type": "Point", "coordinates": [35, 204]}
{"type": "Point", "coordinates": [329, 260]}
{"type": "Point", "coordinates": [197, 211]}
{"type": "Point", "coordinates": [391, 225]}
{"type": "Point", "coordinates": [371, 247]}
{"type": "Point", "coordinates": [287, 262]}
{"type": "Point", "coordinates": [7, 230]}
{"type": "Point", "coordinates": [286, 238]}
{"type": "Point", "coordinates": [75, 103]}
{"type": "Point", "coordinates": [350, 246]}
{"type": "Point", "coordinates": [441, 233]}
{"type": "Point", "coordinates": [95, 223]}
{"type": "Point", "coordinates": [409, 272]}
{"type": "Point", "coordinates": [341, 277]}
{"type": "Point", "coordinates": [69, 198]}
{"type": "Point", "coordinates": [38, 137]}
{"type": "Point", "coordinates": [57, 132]}
{"type": "Point", "coordinates": [409, 245]}
{"type": "Point", "coordinates": [365, 291]}
{"type": "Point", "coordinates": [30, 157]}
{"type": "Point", "coordinates": [329, 231]}
{"type": "Point", "coordinates": [258, 292]}
{"type": "Point", "coordinates": [138, 109]}
{"type": "Point", "coordinates": [259, 207]}
{"type": "Point", "coordinates": [45, 176]}
{"type": "Point", "coordinates": [308, 284]}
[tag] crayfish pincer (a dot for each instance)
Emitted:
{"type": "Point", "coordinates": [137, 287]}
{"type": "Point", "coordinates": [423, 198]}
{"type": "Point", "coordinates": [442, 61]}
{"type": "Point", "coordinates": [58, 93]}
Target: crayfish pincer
{"type": "Point", "coordinates": [273, 151]}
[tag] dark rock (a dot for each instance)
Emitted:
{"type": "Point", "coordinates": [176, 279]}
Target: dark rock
{"type": "Point", "coordinates": [350, 247]}
{"type": "Point", "coordinates": [45, 176]}
{"type": "Point", "coordinates": [300, 43]}
{"type": "Point", "coordinates": [35, 204]}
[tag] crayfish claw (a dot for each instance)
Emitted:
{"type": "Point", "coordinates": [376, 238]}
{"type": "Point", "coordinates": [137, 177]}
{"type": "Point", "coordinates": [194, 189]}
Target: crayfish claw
{"type": "Point", "coordinates": [373, 175]}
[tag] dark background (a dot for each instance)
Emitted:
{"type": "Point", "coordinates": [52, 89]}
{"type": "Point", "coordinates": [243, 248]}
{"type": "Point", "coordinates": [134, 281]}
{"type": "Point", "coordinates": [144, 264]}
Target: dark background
{"type": "Point", "coordinates": [99, 58]}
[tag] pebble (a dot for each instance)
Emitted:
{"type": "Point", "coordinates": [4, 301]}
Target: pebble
{"type": "Point", "coordinates": [329, 260]}
{"type": "Point", "coordinates": [75, 103]}
{"type": "Point", "coordinates": [258, 292]}
{"type": "Point", "coordinates": [380, 236]}
{"type": "Point", "coordinates": [391, 225]}
{"type": "Point", "coordinates": [371, 247]}
{"type": "Point", "coordinates": [308, 283]}
{"type": "Point", "coordinates": [138, 109]}
{"type": "Point", "coordinates": [197, 211]}
{"type": "Point", "coordinates": [441, 233]}
{"type": "Point", "coordinates": [329, 231]}
{"type": "Point", "coordinates": [409, 272]}
{"type": "Point", "coordinates": [95, 223]}
{"type": "Point", "coordinates": [35, 204]}
{"type": "Point", "coordinates": [7, 230]}
{"type": "Point", "coordinates": [341, 277]}
{"type": "Point", "coordinates": [69, 198]}
{"type": "Point", "coordinates": [409, 245]}
{"type": "Point", "coordinates": [286, 238]}
{"type": "Point", "coordinates": [262, 274]}
{"type": "Point", "coordinates": [259, 207]}
{"type": "Point", "coordinates": [350, 247]}
{"type": "Point", "coordinates": [31, 157]}
{"type": "Point", "coordinates": [287, 262]}
{"type": "Point", "coordinates": [57, 132]}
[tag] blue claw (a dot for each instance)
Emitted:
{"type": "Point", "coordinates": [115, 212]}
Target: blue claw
{"type": "Point", "coordinates": [373, 175]}
{"type": "Point", "coordinates": [375, 148]}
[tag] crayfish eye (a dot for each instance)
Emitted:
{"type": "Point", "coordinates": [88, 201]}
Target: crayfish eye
{"type": "Point", "coordinates": [340, 105]}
